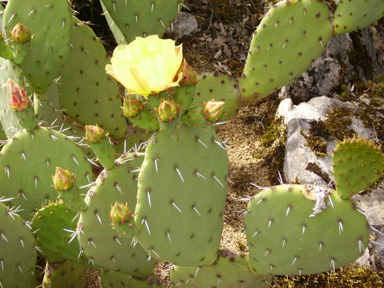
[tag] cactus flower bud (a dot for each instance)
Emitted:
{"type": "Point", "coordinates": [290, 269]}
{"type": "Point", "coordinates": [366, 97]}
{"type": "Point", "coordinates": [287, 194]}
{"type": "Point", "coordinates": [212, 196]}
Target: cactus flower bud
{"type": "Point", "coordinates": [189, 75]}
{"type": "Point", "coordinates": [120, 213]}
{"type": "Point", "coordinates": [19, 98]}
{"type": "Point", "coordinates": [132, 107]}
{"type": "Point", "coordinates": [20, 34]}
{"type": "Point", "coordinates": [167, 110]}
{"type": "Point", "coordinates": [63, 180]}
{"type": "Point", "coordinates": [213, 110]}
{"type": "Point", "coordinates": [93, 134]}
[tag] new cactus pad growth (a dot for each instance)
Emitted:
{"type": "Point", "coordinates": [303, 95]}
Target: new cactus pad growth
{"type": "Point", "coordinates": [357, 165]}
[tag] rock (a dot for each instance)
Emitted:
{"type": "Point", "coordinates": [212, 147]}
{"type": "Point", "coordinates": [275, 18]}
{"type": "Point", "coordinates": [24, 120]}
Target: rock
{"type": "Point", "coordinates": [184, 25]}
{"type": "Point", "coordinates": [341, 63]}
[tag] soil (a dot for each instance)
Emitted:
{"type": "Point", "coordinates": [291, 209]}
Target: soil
{"type": "Point", "coordinates": [255, 149]}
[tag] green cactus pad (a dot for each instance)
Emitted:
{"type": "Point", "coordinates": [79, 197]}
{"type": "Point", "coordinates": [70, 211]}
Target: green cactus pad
{"type": "Point", "coordinates": [65, 274]}
{"type": "Point", "coordinates": [181, 198]}
{"type": "Point", "coordinates": [28, 161]}
{"type": "Point", "coordinates": [289, 38]}
{"type": "Point", "coordinates": [229, 271]}
{"type": "Point", "coordinates": [8, 118]}
{"type": "Point", "coordinates": [50, 23]}
{"type": "Point", "coordinates": [356, 14]}
{"type": "Point", "coordinates": [220, 88]}
{"type": "Point", "coordinates": [86, 91]}
{"type": "Point", "coordinates": [116, 280]}
{"type": "Point", "coordinates": [357, 164]}
{"type": "Point", "coordinates": [17, 250]}
{"type": "Point", "coordinates": [52, 225]}
{"type": "Point", "coordinates": [289, 233]}
{"type": "Point", "coordinates": [132, 18]}
{"type": "Point", "coordinates": [102, 244]}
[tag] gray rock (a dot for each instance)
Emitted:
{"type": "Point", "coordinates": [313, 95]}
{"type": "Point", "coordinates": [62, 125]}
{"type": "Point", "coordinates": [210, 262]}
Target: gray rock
{"type": "Point", "coordinates": [185, 24]}
{"type": "Point", "coordinates": [336, 67]}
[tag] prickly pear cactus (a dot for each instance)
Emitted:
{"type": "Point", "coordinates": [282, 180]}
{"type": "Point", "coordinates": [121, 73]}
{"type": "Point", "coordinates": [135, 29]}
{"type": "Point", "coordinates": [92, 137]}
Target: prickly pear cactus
{"type": "Point", "coordinates": [86, 91]}
{"type": "Point", "coordinates": [52, 226]}
{"type": "Point", "coordinates": [99, 241]}
{"type": "Point", "coordinates": [27, 168]}
{"type": "Point", "coordinates": [357, 164]}
{"type": "Point", "coordinates": [113, 279]}
{"type": "Point", "coordinates": [131, 18]}
{"type": "Point", "coordinates": [303, 229]}
{"type": "Point", "coordinates": [50, 24]}
{"type": "Point", "coordinates": [181, 195]}
{"type": "Point", "coordinates": [64, 274]}
{"type": "Point", "coordinates": [229, 270]}
{"type": "Point", "coordinates": [356, 14]}
{"type": "Point", "coordinates": [17, 249]}
{"type": "Point", "coordinates": [291, 35]}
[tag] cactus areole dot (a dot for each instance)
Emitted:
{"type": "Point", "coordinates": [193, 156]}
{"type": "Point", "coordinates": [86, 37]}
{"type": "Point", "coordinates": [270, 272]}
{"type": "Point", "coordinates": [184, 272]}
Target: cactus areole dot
{"type": "Point", "coordinates": [147, 65]}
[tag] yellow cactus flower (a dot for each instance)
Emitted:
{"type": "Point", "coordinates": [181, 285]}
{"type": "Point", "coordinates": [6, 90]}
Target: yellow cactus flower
{"type": "Point", "coordinates": [147, 65]}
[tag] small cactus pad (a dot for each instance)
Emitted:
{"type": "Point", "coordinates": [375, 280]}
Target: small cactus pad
{"type": "Point", "coordinates": [17, 250]}
{"type": "Point", "coordinates": [357, 164]}
{"type": "Point", "coordinates": [86, 91]}
{"type": "Point", "coordinates": [132, 18]}
{"type": "Point", "coordinates": [50, 23]}
{"type": "Point", "coordinates": [220, 88]}
{"type": "Point", "coordinates": [103, 245]}
{"type": "Point", "coordinates": [181, 198]}
{"type": "Point", "coordinates": [229, 271]}
{"type": "Point", "coordinates": [117, 280]}
{"type": "Point", "coordinates": [303, 229]}
{"type": "Point", "coordinates": [65, 274]}
{"type": "Point", "coordinates": [291, 35]}
{"type": "Point", "coordinates": [356, 14]}
{"type": "Point", "coordinates": [53, 225]}
{"type": "Point", "coordinates": [28, 161]}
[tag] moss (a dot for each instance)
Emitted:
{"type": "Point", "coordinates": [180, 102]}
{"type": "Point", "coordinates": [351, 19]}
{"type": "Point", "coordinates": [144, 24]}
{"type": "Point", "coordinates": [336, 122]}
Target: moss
{"type": "Point", "coordinates": [313, 167]}
{"type": "Point", "coordinates": [272, 148]}
{"type": "Point", "coordinates": [353, 275]}
{"type": "Point", "coordinates": [315, 143]}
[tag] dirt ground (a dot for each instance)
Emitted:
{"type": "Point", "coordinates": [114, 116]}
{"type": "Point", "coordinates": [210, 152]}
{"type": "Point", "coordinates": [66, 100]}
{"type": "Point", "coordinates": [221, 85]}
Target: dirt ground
{"type": "Point", "coordinates": [221, 45]}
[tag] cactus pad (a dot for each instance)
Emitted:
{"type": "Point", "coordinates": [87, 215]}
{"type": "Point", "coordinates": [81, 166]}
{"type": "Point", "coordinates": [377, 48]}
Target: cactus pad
{"type": "Point", "coordinates": [51, 225]}
{"type": "Point", "coordinates": [285, 237]}
{"type": "Point", "coordinates": [355, 14]}
{"type": "Point", "coordinates": [116, 280]}
{"type": "Point", "coordinates": [86, 91]}
{"type": "Point", "coordinates": [181, 198]}
{"type": "Point", "coordinates": [102, 244]}
{"type": "Point", "coordinates": [50, 23]}
{"type": "Point", "coordinates": [357, 164]}
{"type": "Point", "coordinates": [132, 18]}
{"type": "Point", "coordinates": [291, 35]}
{"type": "Point", "coordinates": [64, 274]}
{"type": "Point", "coordinates": [17, 250]}
{"type": "Point", "coordinates": [220, 88]}
{"type": "Point", "coordinates": [27, 168]}
{"type": "Point", "coordinates": [229, 271]}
